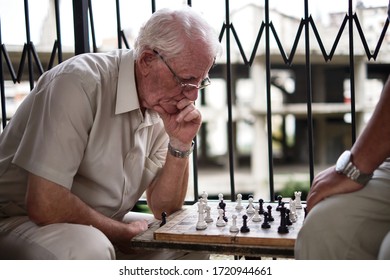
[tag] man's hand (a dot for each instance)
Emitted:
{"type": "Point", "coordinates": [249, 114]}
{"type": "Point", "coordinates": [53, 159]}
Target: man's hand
{"type": "Point", "coordinates": [328, 183]}
{"type": "Point", "coordinates": [183, 125]}
{"type": "Point", "coordinates": [132, 229]}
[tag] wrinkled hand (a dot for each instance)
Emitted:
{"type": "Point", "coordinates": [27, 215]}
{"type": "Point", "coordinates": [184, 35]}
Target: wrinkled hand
{"type": "Point", "coordinates": [132, 229]}
{"type": "Point", "coordinates": [328, 183]}
{"type": "Point", "coordinates": [183, 125]}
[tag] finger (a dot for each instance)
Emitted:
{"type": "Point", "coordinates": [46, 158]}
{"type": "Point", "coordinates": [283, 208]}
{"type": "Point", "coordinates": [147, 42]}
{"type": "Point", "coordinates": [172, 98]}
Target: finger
{"type": "Point", "coordinates": [184, 103]}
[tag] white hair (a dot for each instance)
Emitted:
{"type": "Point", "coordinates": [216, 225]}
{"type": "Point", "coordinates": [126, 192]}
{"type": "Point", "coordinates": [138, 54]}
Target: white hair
{"type": "Point", "coordinates": [170, 31]}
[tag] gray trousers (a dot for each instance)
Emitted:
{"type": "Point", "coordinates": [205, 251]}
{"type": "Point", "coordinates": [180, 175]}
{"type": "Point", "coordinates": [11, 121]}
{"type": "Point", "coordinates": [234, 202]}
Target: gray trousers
{"type": "Point", "coordinates": [350, 226]}
{"type": "Point", "coordinates": [21, 239]}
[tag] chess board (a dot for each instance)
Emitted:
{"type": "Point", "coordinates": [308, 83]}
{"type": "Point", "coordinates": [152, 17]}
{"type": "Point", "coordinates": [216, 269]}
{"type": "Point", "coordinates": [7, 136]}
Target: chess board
{"type": "Point", "coordinates": [182, 228]}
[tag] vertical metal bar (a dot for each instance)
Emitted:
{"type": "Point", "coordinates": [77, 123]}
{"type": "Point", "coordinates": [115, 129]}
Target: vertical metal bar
{"type": "Point", "coordinates": [153, 6]}
{"type": "Point", "coordinates": [28, 44]}
{"type": "Point", "coordinates": [269, 109]}
{"type": "Point", "coordinates": [81, 32]}
{"type": "Point", "coordinates": [309, 92]}
{"type": "Point", "coordinates": [58, 29]}
{"type": "Point", "coordinates": [94, 47]}
{"type": "Point", "coordinates": [2, 89]}
{"type": "Point", "coordinates": [195, 153]}
{"type": "Point", "coordinates": [118, 24]}
{"type": "Point", "coordinates": [352, 73]}
{"type": "Point", "coordinates": [230, 131]}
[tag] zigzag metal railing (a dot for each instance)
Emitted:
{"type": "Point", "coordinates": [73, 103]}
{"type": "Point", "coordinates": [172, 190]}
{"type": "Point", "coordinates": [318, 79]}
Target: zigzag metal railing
{"type": "Point", "coordinates": [266, 28]}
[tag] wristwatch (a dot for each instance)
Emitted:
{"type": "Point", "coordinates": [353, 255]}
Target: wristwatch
{"type": "Point", "coordinates": [345, 166]}
{"type": "Point", "coordinates": [178, 153]}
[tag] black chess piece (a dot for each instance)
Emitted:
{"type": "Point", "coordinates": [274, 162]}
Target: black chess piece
{"type": "Point", "coordinates": [222, 205]}
{"type": "Point", "coordinates": [279, 198]}
{"type": "Point", "coordinates": [265, 223]}
{"type": "Point", "coordinates": [163, 218]}
{"type": "Point", "coordinates": [270, 218]}
{"type": "Point", "coordinates": [261, 208]}
{"type": "Point", "coordinates": [244, 227]}
{"type": "Point", "coordinates": [288, 221]}
{"type": "Point", "coordinates": [283, 227]}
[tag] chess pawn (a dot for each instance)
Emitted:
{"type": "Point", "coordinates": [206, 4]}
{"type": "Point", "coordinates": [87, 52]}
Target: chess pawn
{"type": "Point", "coordinates": [250, 209]}
{"type": "Point", "coordinates": [256, 217]}
{"type": "Point", "coordinates": [234, 227]}
{"type": "Point", "coordinates": [270, 218]}
{"type": "Point", "coordinates": [208, 218]}
{"type": "Point", "coordinates": [244, 228]}
{"type": "Point", "coordinates": [220, 221]}
{"type": "Point", "coordinates": [205, 197]}
{"type": "Point", "coordinates": [239, 202]}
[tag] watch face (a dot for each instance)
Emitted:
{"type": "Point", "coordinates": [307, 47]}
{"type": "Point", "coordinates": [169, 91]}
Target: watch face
{"type": "Point", "coordinates": [343, 161]}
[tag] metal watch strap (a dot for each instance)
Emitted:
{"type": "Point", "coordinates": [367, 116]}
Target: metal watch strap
{"type": "Point", "coordinates": [180, 154]}
{"type": "Point", "coordinates": [352, 172]}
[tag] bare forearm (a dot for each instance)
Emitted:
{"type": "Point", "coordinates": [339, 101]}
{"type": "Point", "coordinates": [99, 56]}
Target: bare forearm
{"type": "Point", "coordinates": [168, 190]}
{"type": "Point", "coordinates": [373, 146]}
{"type": "Point", "coordinates": [48, 203]}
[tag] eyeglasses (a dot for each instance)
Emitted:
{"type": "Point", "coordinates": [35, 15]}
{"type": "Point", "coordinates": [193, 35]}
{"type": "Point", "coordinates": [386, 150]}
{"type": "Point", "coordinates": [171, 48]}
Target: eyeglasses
{"type": "Point", "coordinates": [186, 86]}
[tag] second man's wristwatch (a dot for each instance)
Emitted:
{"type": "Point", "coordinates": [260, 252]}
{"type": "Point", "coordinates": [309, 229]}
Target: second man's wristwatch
{"type": "Point", "coordinates": [345, 166]}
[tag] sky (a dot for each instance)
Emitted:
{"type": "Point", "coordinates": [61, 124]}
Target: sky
{"type": "Point", "coordinates": [135, 12]}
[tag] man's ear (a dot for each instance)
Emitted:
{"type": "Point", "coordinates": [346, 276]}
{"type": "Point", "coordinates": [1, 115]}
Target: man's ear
{"type": "Point", "coordinates": [145, 61]}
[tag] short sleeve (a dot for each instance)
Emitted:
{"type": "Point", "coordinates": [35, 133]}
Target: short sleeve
{"type": "Point", "coordinates": [57, 129]}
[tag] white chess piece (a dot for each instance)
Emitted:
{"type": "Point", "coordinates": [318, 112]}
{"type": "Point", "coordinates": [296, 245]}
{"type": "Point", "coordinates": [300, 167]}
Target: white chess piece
{"type": "Point", "coordinates": [239, 202]}
{"type": "Point", "coordinates": [293, 211]}
{"type": "Point", "coordinates": [298, 204]}
{"type": "Point", "coordinates": [234, 227]}
{"type": "Point", "coordinates": [256, 216]}
{"type": "Point", "coordinates": [201, 224]}
{"type": "Point", "coordinates": [250, 209]}
{"type": "Point", "coordinates": [205, 196]}
{"type": "Point", "coordinates": [208, 218]}
{"type": "Point", "coordinates": [220, 221]}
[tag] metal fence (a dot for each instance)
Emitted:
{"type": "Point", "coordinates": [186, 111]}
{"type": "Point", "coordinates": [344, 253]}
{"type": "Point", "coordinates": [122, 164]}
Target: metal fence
{"type": "Point", "coordinates": [85, 41]}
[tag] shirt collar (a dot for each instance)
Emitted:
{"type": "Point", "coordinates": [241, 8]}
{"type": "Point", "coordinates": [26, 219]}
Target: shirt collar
{"type": "Point", "coordinates": [126, 96]}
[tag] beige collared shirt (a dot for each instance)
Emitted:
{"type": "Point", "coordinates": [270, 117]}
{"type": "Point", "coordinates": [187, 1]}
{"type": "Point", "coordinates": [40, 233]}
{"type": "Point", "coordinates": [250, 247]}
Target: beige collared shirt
{"type": "Point", "coordinates": [82, 127]}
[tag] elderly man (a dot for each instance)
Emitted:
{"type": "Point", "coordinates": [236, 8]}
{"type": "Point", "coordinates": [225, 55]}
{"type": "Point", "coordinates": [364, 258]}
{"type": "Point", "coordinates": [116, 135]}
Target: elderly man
{"type": "Point", "coordinates": [95, 133]}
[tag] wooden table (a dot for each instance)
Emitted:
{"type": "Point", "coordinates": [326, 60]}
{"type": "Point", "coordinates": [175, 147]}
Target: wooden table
{"type": "Point", "coordinates": [180, 233]}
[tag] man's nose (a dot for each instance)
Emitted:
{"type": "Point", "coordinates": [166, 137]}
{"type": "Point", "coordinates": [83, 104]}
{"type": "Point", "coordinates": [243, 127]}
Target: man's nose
{"type": "Point", "coordinates": [191, 94]}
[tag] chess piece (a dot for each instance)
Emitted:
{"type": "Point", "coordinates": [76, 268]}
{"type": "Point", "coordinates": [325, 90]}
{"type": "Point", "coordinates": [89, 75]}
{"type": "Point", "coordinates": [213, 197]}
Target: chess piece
{"type": "Point", "coordinates": [208, 218]}
{"type": "Point", "coordinates": [288, 220]}
{"type": "Point", "coordinates": [283, 227]}
{"type": "Point", "coordinates": [256, 216]}
{"type": "Point", "coordinates": [261, 208]}
{"type": "Point", "coordinates": [220, 221]}
{"type": "Point", "coordinates": [205, 197]}
{"type": "Point", "coordinates": [201, 224]}
{"type": "Point", "coordinates": [270, 218]}
{"type": "Point", "coordinates": [222, 205]}
{"type": "Point", "coordinates": [163, 218]}
{"type": "Point", "coordinates": [251, 209]}
{"type": "Point", "coordinates": [279, 199]}
{"type": "Point", "coordinates": [234, 227]}
{"type": "Point", "coordinates": [220, 199]}
{"type": "Point", "coordinates": [293, 211]}
{"type": "Point", "coordinates": [298, 204]}
{"type": "Point", "coordinates": [265, 223]}
{"type": "Point", "coordinates": [239, 202]}
{"type": "Point", "coordinates": [244, 227]}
